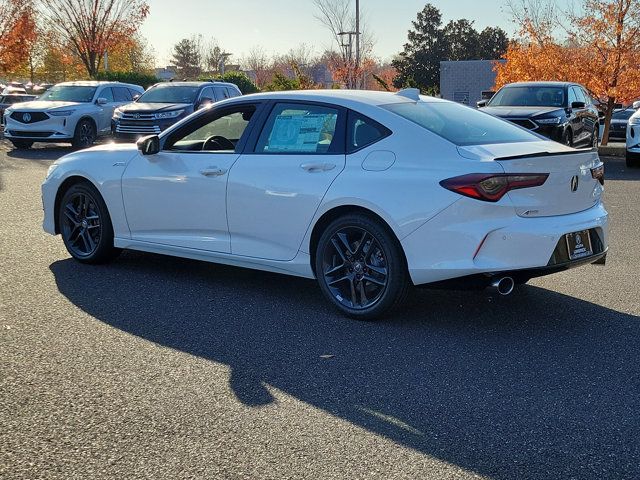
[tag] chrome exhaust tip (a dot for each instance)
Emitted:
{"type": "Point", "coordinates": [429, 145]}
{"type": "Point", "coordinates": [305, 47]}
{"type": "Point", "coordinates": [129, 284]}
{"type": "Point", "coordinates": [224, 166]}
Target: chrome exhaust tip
{"type": "Point", "coordinates": [504, 285]}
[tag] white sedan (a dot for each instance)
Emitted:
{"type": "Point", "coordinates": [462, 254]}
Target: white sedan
{"type": "Point", "coordinates": [368, 192]}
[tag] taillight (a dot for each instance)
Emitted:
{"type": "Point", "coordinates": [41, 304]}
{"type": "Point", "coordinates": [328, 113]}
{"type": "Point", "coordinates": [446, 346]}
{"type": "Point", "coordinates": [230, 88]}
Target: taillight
{"type": "Point", "coordinates": [492, 187]}
{"type": "Point", "coordinates": [598, 174]}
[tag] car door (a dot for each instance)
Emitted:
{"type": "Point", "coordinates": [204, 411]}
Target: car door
{"type": "Point", "coordinates": [177, 197]}
{"type": "Point", "coordinates": [275, 188]}
{"type": "Point", "coordinates": [581, 134]}
{"type": "Point", "coordinates": [105, 112]}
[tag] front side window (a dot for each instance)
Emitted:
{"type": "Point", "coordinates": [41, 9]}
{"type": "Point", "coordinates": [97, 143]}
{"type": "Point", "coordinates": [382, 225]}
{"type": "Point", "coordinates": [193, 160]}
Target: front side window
{"type": "Point", "coordinates": [221, 93]}
{"type": "Point", "coordinates": [167, 93]}
{"type": "Point", "coordinates": [460, 124]}
{"type": "Point", "coordinates": [108, 94]}
{"type": "Point", "coordinates": [579, 94]}
{"type": "Point", "coordinates": [528, 96]}
{"type": "Point", "coordinates": [296, 128]}
{"type": "Point", "coordinates": [69, 93]}
{"type": "Point", "coordinates": [121, 94]}
{"type": "Point", "coordinates": [214, 132]}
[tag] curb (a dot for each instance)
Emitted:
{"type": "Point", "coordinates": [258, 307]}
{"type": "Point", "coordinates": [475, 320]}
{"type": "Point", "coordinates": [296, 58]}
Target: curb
{"type": "Point", "coordinates": [612, 150]}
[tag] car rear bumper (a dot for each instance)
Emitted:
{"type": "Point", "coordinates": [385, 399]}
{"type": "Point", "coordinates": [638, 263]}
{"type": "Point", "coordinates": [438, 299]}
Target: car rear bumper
{"type": "Point", "coordinates": [443, 249]}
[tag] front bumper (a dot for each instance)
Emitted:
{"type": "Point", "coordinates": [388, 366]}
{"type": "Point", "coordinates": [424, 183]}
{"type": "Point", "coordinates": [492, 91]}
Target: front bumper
{"type": "Point", "coordinates": [54, 129]}
{"type": "Point", "coordinates": [456, 243]}
{"type": "Point", "coordinates": [633, 138]}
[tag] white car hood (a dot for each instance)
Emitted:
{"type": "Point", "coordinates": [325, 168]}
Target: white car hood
{"type": "Point", "coordinates": [43, 105]}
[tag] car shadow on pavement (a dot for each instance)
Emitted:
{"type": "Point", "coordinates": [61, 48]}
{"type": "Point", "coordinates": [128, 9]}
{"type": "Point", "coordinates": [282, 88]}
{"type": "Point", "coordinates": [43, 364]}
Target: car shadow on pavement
{"type": "Point", "coordinates": [535, 385]}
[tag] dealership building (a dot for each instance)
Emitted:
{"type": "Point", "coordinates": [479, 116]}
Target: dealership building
{"type": "Point", "coordinates": [465, 81]}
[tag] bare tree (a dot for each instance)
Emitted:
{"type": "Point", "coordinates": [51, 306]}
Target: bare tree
{"type": "Point", "coordinates": [538, 18]}
{"type": "Point", "coordinates": [212, 55]}
{"type": "Point", "coordinates": [340, 19]}
{"type": "Point", "coordinates": [258, 63]}
{"type": "Point", "coordinates": [93, 26]}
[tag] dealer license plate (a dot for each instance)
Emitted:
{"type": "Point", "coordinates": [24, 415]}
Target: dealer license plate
{"type": "Point", "coordinates": [579, 244]}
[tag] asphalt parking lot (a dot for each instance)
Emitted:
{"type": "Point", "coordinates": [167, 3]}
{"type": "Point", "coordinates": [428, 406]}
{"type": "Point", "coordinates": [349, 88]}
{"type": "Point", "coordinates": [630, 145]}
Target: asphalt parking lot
{"type": "Point", "coordinates": [154, 367]}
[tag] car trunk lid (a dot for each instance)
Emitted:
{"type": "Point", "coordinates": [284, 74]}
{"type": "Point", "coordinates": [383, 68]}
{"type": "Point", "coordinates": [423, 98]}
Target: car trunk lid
{"type": "Point", "coordinates": [569, 188]}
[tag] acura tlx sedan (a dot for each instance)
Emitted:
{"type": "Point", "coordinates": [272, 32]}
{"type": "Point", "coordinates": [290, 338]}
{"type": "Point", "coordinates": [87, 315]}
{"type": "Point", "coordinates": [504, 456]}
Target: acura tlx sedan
{"type": "Point", "coordinates": [368, 192]}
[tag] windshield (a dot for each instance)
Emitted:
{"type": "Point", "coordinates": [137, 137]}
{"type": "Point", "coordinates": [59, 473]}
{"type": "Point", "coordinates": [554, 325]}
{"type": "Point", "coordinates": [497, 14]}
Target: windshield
{"type": "Point", "coordinates": [69, 93]}
{"type": "Point", "coordinates": [460, 124]}
{"type": "Point", "coordinates": [170, 94]}
{"type": "Point", "coordinates": [623, 114]}
{"type": "Point", "coordinates": [528, 96]}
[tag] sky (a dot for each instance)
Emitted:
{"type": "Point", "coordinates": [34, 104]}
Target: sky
{"type": "Point", "coordinates": [279, 25]}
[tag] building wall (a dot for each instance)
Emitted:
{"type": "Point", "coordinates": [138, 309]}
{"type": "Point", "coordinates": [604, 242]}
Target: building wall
{"type": "Point", "coordinates": [464, 81]}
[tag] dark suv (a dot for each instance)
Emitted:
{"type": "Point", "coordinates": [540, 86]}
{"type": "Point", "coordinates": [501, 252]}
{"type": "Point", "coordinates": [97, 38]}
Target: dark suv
{"type": "Point", "coordinates": [7, 100]}
{"type": "Point", "coordinates": [561, 111]}
{"type": "Point", "coordinates": [164, 104]}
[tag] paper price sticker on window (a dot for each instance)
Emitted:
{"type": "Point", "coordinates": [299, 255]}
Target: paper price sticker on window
{"type": "Point", "coordinates": [297, 133]}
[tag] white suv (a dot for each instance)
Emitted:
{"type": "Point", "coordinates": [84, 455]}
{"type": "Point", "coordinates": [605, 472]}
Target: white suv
{"type": "Point", "coordinates": [74, 112]}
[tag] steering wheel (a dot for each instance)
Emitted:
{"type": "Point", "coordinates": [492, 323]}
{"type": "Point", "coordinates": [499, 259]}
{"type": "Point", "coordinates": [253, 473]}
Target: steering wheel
{"type": "Point", "coordinates": [217, 142]}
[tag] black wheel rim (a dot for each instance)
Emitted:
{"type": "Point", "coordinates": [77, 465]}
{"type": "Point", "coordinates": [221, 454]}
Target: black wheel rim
{"type": "Point", "coordinates": [355, 268]}
{"type": "Point", "coordinates": [81, 224]}
{"type": "Point", "coordinates": [86, 134]}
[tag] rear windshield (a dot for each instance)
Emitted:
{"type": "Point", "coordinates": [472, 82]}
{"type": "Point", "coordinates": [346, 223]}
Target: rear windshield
{"type": "Point", "coordinates": [529, 96]}
{"type": "Point", "coordinates": [460, 124]}
{"type": "Point", "coordinates": [170, 94]}
{"type": "Point", "coordinates": [69, 93]}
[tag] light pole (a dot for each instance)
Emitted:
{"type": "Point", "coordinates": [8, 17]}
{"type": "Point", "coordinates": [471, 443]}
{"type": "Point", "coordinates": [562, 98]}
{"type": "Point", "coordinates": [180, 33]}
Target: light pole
{"type": "Point", "coordinates": [357, 39]}
{"type": "Point", "coordinates": [223, 60]}
{"type": "Point", "coordinates": [348, 55]}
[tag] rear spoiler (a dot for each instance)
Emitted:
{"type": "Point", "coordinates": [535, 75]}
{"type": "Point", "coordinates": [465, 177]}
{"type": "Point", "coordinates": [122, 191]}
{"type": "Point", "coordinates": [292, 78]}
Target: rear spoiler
{"type": "Point", "coordinates": [540, 154]}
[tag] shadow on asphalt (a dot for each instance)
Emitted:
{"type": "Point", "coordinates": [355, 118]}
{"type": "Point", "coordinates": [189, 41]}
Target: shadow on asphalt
{"type": "Point", "coordinates": [535, 385]}
{"type": "Point", "coordinates": [616, 169]}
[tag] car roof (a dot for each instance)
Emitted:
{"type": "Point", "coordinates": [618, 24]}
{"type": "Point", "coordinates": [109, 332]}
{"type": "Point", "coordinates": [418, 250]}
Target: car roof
{"type": "Point", "coordinates": [340, 97]}
{"type": "Point", "coordinates": [542, 84]}
{"type": "Point", "coordinates": [205, 83]}
{"type": "Point", "coordinates": [95, 83]}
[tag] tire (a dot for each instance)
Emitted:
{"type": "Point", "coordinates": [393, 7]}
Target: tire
{"type": "Point", "coordinates": [22, 144]}
{"type": "Point", "coordinates": [632, 160]}
{"type": "Point", "coordinates": [567, 138]}
{"type": "Point", "coordinates": [84, 135]}
{"type": "Point", "coordinates": [85, 225]}
{"type": "Point", "coordinates": [361, 268]}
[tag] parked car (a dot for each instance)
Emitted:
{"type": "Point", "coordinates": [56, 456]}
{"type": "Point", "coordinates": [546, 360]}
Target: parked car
{"type": "Point", "coordinates": [73, 112]}
{"type": "Point", "coordinates": [633, 139]}
{"type": "Point", "coordinates": [561, 111]}
{"type": "Point", "coordinates": [13, 90]}
{"type": "Point", "coordinates": [166, 103]}
{"type": "Point", "coordinates": [369, 192]}
{"type": "Point", "coordinates": [8, 100]}
{"type": "Point", "coordinates": [618, 127]}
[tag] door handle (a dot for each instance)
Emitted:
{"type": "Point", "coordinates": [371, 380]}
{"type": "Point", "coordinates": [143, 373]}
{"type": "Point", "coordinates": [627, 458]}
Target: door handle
{"type": "Point", "coordinates": [318, 167]}
{"type": "Point", "coordinates": [213, 172]}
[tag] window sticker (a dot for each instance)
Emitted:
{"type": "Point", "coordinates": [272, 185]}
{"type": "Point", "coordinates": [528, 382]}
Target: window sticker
{"type": "Point", "coordinates": [297, 133]}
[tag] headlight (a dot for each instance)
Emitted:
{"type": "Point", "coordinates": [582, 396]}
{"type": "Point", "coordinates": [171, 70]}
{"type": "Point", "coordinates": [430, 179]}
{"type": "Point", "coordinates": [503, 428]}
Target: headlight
{"type": "Point", "coordinates": [165, 115]}
{"type": "Point", "coordinates": [117, 113]}
{"type": "Point", "coordinates": [634, 120]}
{"type": "Point", "coordinates": [52, 167]}
{"type": "Point", "coordinates": [61, 113]}
{"type": "Point", "coordinates": [548, 121]}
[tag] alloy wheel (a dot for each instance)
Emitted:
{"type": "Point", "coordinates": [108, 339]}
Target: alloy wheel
{"type": "Point", "coordinates": [355, 268]}
{"type": "Point", "coordinates": [81, 225]}
{"type": "Point", "coordinates": [86, 134]}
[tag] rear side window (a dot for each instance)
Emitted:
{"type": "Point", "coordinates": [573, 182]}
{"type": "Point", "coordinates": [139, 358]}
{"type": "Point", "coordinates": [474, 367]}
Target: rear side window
{"type": "Point", "coordinates": [362, 132]}
{"type": "Point", "coordinates": [298, 128]}
{"type": "Point", "coordinates": [121, 94]}
{"type": "Point", "coordinates": [461, 125]}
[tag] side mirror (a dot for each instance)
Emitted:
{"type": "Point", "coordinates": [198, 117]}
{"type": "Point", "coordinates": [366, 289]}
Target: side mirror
{"type": "Point", "coordinates": [204, 102]}
{"type": "Point", "coordinates": [578, 105]}
{"type": "Point", "coordinates": [482, 103]}
{"type": "Point", "coordinates": [136, 97]}
{"type": "Point", "coordinates": [149, 145]}
{"type": "Point", "coordinates": [636, 105]}
{"type": "Point", "coordinates": [101, 101]}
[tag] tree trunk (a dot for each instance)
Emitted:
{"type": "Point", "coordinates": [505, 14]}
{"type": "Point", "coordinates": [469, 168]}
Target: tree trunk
{"type": "Point", "coordinates": [611, 101]}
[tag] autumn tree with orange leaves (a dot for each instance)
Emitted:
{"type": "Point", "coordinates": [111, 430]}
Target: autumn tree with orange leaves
{"type": "Point", "coordinates": [93, 27]}
{"type": "Point", "coordinates": [16, 32]}
{"type": "Point", "coordinates": [601, 49]}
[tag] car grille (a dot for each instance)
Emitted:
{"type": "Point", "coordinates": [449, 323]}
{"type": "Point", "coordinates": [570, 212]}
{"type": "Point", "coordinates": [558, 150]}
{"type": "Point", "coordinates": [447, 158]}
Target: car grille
{"type": "Point", "coordinates": [524, 122]}
{"type": "Point", "coordinates": [30, 134]}
{"type": "Point", "coordinates": [29, 117]}
{"type": "Point", "coordinates": [137, 123]}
